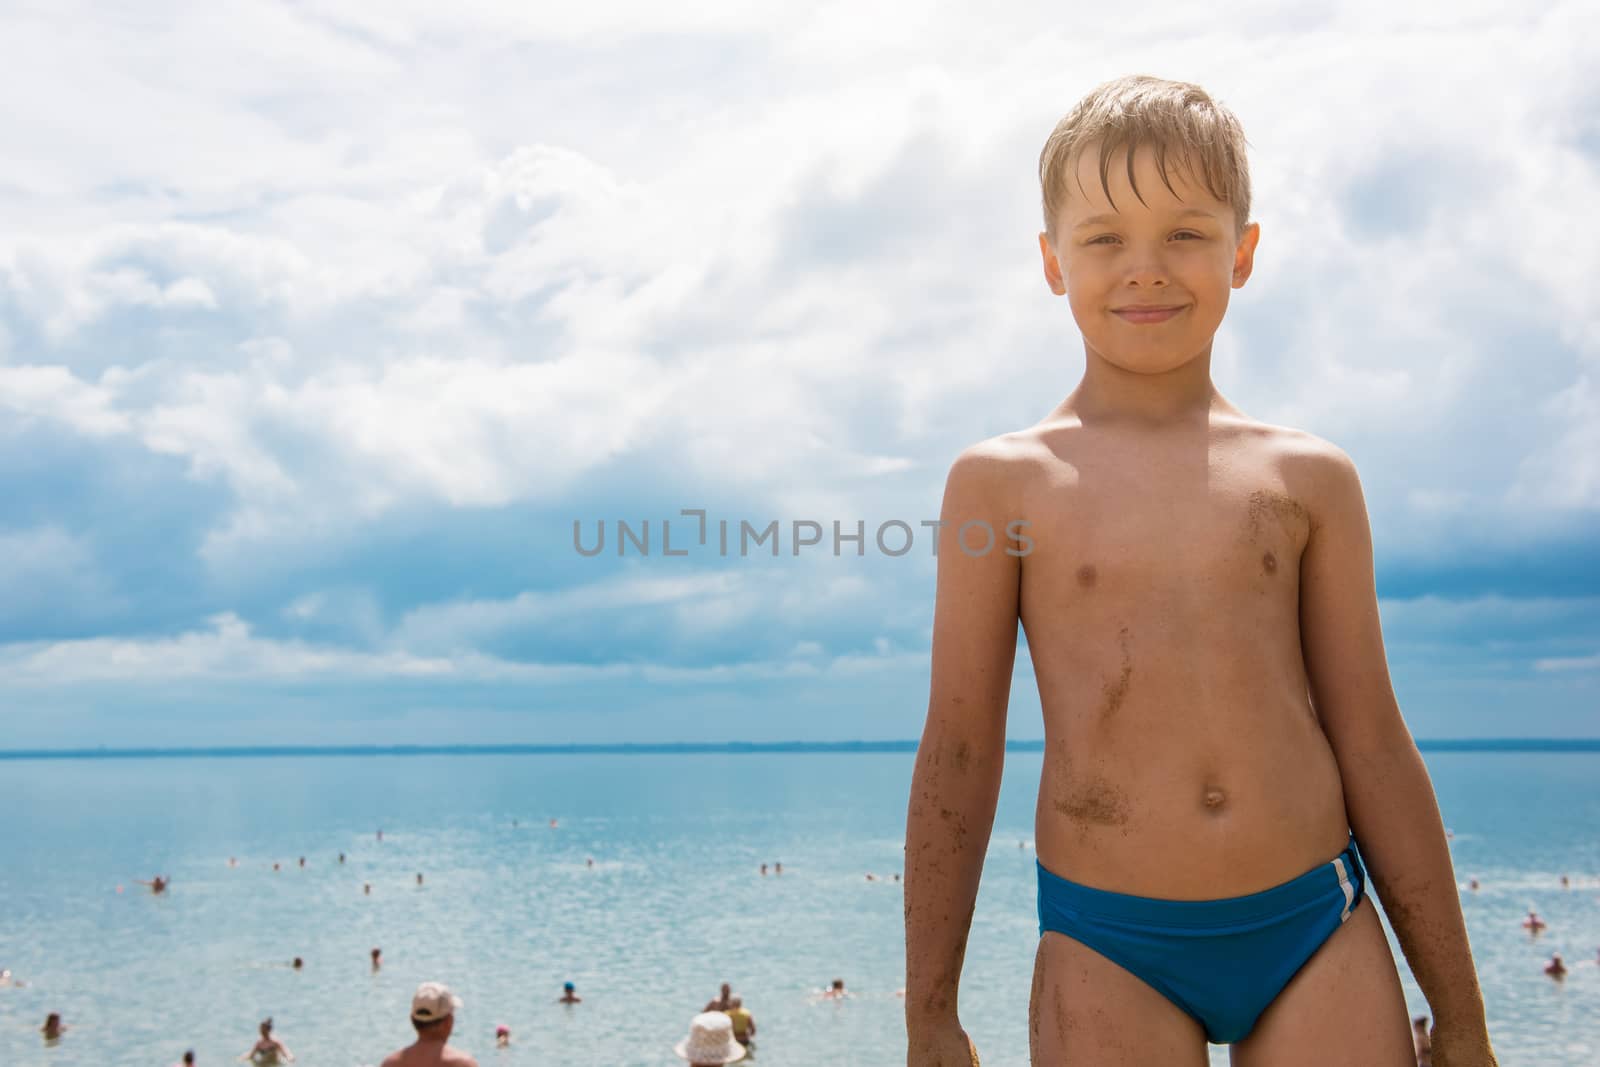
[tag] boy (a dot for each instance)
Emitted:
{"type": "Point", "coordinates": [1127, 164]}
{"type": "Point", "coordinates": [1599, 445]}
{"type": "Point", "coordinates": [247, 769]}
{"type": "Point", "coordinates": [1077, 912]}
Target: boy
{"type": "Point", "coordinates": [1220, 729]}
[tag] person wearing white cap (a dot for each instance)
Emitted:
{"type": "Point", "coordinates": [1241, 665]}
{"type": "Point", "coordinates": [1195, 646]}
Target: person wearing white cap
{"type": "Point", "coordinates": [433, 1015]}
{"type": "Point", "coordinates": [710, 1042]}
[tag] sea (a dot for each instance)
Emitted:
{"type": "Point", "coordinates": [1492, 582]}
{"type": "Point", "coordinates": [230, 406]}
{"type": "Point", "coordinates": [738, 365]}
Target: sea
{"type": "Point", "coordinates": [634, 875]}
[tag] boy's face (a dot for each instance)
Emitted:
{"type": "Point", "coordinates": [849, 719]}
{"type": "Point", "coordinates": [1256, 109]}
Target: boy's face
{"type": "Point", "coordinates": [1171, 250]}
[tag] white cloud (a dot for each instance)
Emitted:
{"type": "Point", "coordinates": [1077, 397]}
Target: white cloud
{"type": "Point", "coordinates": [861, 229]}
{"type": "Point", "coordinates": [54, 393]}
{"type": "Point", "coordinates": [692, 605]}
{"type": "Point", "coordinates": [228, 651]}
{"type": "Point", "coordinates": [1569, 663]}
{"type": "Point", "coordinates": [362, 260]}
{"type": "Point", "coordinates": [1564, 473]}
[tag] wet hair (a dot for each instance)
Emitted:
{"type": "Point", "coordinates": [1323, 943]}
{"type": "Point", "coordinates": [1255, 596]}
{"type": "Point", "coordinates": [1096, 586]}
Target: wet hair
{"type": "Point", "coordinates": [1179, 121]}
{"type": "Point", "coordinates": [188, 1056]}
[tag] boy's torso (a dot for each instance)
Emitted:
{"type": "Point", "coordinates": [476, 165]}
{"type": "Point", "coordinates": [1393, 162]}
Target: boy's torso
{"type": "Point", "coordinates": [1161, 606]}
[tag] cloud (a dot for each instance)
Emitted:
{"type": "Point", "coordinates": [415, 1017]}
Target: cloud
{"type": "Point", "coordinates": [1569, 663]}
{"type": "Point", "coordinates": [54, 393]}
{"type": "Point", "coordinates": [317, 328]}
{"type": "Point", "coordinates": [227, 652]}
{"type": "Point", "coordinates": [49, 578]}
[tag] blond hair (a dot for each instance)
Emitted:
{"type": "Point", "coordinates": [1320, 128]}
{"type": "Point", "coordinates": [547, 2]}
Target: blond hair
{"type": "Point", "coordinates": [1176, 119]}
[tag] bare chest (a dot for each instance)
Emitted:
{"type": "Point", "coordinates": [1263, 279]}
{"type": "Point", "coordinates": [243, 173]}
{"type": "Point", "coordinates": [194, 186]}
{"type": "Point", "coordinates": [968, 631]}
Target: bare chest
{"type": "Point", "coordinates": [1218, 541]}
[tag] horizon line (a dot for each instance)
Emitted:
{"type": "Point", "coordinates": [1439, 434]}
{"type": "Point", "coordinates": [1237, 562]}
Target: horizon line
{"type": "Point", "coordinates": [1488, 744]}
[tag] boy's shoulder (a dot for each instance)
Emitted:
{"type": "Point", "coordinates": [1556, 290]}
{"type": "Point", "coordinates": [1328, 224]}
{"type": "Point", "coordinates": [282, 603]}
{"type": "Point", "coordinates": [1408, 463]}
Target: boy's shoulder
{"type": "Point", "coordinates": [1000, 451]}
{"type": "Point", "coordinates": [1312, 471]}
{"type": "Point", "coordinates": [996, 465]}
{"type": "Point", "coordinates": [1287, 444]}
{"type": "Point", "coordinates": [1007, 460]}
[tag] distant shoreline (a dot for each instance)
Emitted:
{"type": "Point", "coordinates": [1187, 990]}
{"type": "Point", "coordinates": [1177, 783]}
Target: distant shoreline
{"type": "Point", "coordinates": [1496, 744]}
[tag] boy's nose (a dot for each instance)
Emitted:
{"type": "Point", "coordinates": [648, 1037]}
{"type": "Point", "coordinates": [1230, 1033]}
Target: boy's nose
{"type": "Point", "coordinates": [1147, 273]}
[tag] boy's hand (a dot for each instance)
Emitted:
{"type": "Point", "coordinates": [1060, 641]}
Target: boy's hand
{"type": "Point", "coordinates": [1462, 1048]}
{"type": "Point", "coordinates": [946, 1046]}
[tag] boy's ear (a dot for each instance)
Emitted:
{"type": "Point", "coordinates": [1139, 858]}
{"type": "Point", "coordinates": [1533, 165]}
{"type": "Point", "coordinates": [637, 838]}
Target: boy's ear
{"type": "Point", "coordinates": [1052, 266]}
{"type": "Point", "coordinates": [1244, 256]}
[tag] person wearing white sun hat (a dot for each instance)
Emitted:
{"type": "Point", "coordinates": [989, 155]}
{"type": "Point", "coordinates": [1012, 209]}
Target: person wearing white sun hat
{"type": "Point", "coordinates": [433, 1016]}
{"type": "Point", "coordinates": [710, 1042]}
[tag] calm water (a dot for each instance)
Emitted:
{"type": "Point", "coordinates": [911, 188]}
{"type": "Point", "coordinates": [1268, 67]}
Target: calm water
{"type": "Point", "coordinates": [673, 905]}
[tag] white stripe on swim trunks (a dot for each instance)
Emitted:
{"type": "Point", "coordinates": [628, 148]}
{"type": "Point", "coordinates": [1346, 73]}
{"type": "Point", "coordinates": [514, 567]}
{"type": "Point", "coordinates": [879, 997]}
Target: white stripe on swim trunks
{"type": "Point", "coordinates": [1344, 883]}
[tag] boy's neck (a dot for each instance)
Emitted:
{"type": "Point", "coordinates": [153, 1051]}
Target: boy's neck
{"type": "Point", "coordinates": [1109, 394]}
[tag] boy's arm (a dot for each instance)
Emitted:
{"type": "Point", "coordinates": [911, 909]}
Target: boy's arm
{"type": "Point", "coordinates": [956, 782]}
{"type": "Point", "coordinates": [1387, 792]}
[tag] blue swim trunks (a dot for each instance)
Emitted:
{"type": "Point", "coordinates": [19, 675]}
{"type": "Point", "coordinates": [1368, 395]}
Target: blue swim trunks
{"type": "Point", "coordinates": [1221, 961]}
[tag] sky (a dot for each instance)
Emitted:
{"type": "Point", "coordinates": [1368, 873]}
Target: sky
{"type": "Point", "coordinates": [321, 326]}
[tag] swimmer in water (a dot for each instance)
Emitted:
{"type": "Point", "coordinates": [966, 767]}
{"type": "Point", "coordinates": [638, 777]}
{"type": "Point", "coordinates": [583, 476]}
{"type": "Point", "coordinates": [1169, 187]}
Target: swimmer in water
{"type": "Point", "coordinates": [1472, 884]}
{"type": "Point", "coordinates": [419, 877]}
{"type": "Point", "coordinates": [158, 884]}
{"type": "Point", "coordinates": [722, 1000]}
{"type": "Point", "coordinates": [744, 1024]}
{"type": "Point", "coordinates": [836, 992]}
{"type": "Point", "coordinates": [1555, 968]}
{"type": "Point", "coordinates": [188, 1059]}
{"type": "Point", "coordinates": [366, 888]}
{"type": "Point", "coordinates": [502, 1036]}
{"type": "Point", "coordinates": [298, 963]}
{"type": "Point", "coordinates": [302, 861]}
{"type": "Point", "coordinates": [268, 1050]}
{"type": "Point", "coordinates": [341, 857]}
{"type": "Point", "coordinates": [1533, 924]}
{"type": "Point", "coordinates": [1564, 882]}
{"type": "Point", "coordinates": [763, 870]}
{"type": "Point", "coordinates": [53, 1027]}
{"type": "Point", "coordinates": [377, 958]}
{"type": "Point", "coordinates": [569, 994]}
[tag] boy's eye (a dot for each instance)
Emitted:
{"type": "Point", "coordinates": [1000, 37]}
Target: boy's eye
{"type": "Point", "coordinates": [1180, 233]}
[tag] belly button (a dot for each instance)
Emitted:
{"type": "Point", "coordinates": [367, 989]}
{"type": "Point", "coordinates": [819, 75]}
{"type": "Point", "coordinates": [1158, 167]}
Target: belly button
{"type": "Point", "coordinates": [1215, 798]}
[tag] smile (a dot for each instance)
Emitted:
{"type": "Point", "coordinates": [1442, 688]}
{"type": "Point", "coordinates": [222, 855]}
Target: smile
{"type": "Point", "coordinates": [1143, 316]}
